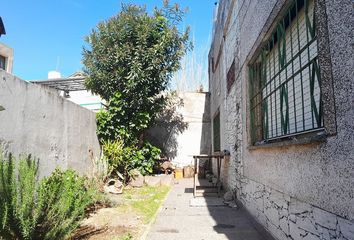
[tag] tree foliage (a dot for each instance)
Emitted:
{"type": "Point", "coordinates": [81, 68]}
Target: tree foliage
{"type": "Point", "coordinates": [130, 60]}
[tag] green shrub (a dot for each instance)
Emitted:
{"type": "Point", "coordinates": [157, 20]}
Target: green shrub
{"type": "Point", "coordinates": [30, 209]}
{"type": "Point", "coordinates": [65, 198]}
{"type": "Point", "coordinates": [123, 160]}
{"type": "Point", "coordinates": [145, 159]}
{"type": "Point", "coordinates": [113, 152]}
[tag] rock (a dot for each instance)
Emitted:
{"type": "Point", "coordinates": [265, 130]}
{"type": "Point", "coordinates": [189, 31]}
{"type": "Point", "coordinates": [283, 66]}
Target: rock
{"type": "Point", "coordinates": [231, 204]}
{"type": "Point", "coordinates": [166, 180]}
{"type": "Point", "coordinates": [166, 167]}
{"type": "Point", "coordinates": [346, 227]}
{"type": "Point", "coordinates": [137, 180]}
{"type": "Point", "coordinates": [113, 186]}
{"type": "Point", "coordinates": [228, 196]}
{"type": "Point", "coordinates": [152, 181]}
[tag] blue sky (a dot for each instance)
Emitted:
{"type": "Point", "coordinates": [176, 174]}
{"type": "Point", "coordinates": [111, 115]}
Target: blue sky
{"type": "Point", "coordinates": [47, 33]}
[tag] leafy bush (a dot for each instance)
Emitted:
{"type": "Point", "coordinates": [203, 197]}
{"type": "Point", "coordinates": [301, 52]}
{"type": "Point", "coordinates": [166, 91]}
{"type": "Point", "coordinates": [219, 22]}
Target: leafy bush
{"type": "Point", "coordinates": [65, 199]}
{"type": "Point", "coordinates": [122, 121]}
{"type": "Point", "coordinates": [123, 160]}
{"type": "Point", "coordinates": [30, 209]}
{"type": "Point", "coordinates": [146, 158]}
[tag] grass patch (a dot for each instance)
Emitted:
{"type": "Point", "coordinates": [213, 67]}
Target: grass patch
{"type": "Point", "coordinates": [125, 237]}
{"type": "Point", "coordinates": [144, 201]}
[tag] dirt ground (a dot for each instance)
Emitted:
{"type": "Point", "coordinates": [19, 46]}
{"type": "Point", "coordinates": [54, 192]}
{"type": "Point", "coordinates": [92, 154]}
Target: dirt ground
{"type": "Point", "coordinates": [122, 220]}
{"type": "Point", "coordinates": [110, 223]}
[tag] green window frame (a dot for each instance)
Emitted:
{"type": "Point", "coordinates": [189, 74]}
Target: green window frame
{"type": "Point", "coordinates": [284, 79]}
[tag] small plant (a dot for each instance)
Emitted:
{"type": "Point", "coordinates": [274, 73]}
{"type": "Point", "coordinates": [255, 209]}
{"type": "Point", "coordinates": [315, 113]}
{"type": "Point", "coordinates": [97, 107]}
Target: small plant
{"type": "Point", "coordinates": [113, 152]}
{"type": "Point", "coordinates": [30, 209]}
{"type": "Point", "coordinates": [65, 199]}
{"type": "Point", "coordinates": [127, 237]}
{"type": "Point", "coordinates": [124, 160]}
{"type": "Point", "coordinates": [146, 159]}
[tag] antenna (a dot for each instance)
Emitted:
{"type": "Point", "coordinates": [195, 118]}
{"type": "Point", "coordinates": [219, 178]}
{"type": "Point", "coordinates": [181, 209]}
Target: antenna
{"type": "Point", "coordinates": [58, 63]}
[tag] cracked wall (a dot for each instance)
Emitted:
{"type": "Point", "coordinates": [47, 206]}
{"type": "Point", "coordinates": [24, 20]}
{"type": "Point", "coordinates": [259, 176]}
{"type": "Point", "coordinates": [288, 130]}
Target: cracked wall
{"type": "Point", "coordinates": [297, 191]}
{"type": "Point", "coordinates": [288, 218]}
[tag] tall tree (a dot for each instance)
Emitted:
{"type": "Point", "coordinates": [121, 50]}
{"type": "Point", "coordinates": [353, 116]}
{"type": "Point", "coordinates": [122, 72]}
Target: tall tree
{"type": "Point", "coordinates": [130, 60]}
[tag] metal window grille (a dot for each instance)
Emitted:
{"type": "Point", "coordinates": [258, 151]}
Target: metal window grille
{"type": "Point", "coordinates": [216, 132]}
{"type": "Point", "coordinates": [285, 84]}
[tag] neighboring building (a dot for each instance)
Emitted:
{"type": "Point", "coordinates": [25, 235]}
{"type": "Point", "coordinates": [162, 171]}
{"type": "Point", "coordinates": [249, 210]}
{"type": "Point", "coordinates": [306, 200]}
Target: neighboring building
{"type": "Point", "coordinates": [2, 28]}
{"type": "Point", "coordinates": [6, 58]}
{"type": "Point", "coordinates": [84, 97]}
{"type": "Point", "coordinates": [282, 102]}
{"type": "Point", "coordinates": [6, 53]}
{"type": "Point", "coordinates": [73, 89]}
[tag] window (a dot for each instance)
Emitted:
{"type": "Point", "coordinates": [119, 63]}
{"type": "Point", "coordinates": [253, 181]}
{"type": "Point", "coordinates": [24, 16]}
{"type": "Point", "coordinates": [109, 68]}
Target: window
{"type": "Point", "coordinates": [2, 62]}
{"type": "Point", "coordinates": [285, 84]}
{"type": "Point", "coordinates": [230, 77]}
{"type": "Point", "coordinates": [216, 132]}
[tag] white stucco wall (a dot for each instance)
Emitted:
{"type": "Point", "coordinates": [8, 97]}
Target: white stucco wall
{"type": "Point", "coordinates": [295, 191]}
{"type": "Point", "coordinates": [37, 121]}
{"type": "Point", "coordinates": [86, 99]}
{"type": "Point", "coordinates": [195, 139]}
{"type": "Point", "coordinates": [184, 129]}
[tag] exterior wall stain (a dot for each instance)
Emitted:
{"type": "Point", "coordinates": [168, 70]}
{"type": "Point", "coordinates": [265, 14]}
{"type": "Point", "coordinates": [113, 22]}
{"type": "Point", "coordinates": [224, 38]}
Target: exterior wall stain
{"type": "Point", "coordinates": [295, 189]}
{"type": "Point", "coordinates": [37, 121]}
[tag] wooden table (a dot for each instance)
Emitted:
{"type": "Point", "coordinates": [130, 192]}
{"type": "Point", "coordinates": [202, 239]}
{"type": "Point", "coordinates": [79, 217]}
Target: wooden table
{"type": "Point", "coordinates": [196, 158]}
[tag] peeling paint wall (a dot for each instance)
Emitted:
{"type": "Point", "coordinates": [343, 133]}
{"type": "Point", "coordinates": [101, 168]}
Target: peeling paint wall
{"type": "Point", "coordinates": [297, 191]}
{"type": "Point", "coordinates": [37, 121]}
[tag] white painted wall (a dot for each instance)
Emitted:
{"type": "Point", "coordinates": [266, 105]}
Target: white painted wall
{"type": "Point", "coordinates": [195, 139]}
{"type": "Point", "coordinates": [86, 99]}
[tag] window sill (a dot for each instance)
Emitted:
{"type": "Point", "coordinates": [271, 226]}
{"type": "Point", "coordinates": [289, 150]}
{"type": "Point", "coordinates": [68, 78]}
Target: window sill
{"type": "Point", "coordinates": [318, 136]}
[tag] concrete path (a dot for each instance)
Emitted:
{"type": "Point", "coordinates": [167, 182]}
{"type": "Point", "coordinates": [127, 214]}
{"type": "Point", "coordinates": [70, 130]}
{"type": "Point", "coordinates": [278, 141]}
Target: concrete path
{"type": "Point", "coordinates": [178, 220]}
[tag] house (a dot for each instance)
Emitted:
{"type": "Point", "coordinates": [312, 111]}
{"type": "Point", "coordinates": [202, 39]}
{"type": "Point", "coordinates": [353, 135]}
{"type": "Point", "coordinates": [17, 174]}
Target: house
{"type": "Point", "coordinates": [282, 102]}
{"type": "Point", "coordinates": [6, 53]}
{"type": "Point", "coordinates": [73, 89]}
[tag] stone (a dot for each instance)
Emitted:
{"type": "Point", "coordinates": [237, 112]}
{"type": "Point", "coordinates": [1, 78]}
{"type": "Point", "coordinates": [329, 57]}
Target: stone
{"type": "Point", "coordinates": [166, 167]}
{"type": "Point", "coordinates": [324, 218]}
{"type": "Point", "coordinates": [346, 227]}
{"type": "Point", "coordinates": [284, 225]}
{"type": "Point", "coordinates": [152, 181]}
{"type": "Point", "coordinates": [259, 203]}
{"type": "Point", "coordinates": [295, 232]}
{"type": "Point", "coordinates": [272, 215]}
{"type": "Point", "coordinates": [297, 207]}
{"type": "Point", "coordinates": [113, 186]}
{"type": "Point", "coordinates": [310, 236]}
{"type": "Point", "coordinates": [277, 232]}
{"type": "Point", "coordinates": [278, 199]}
{"type": "Point", "coordinates": [228, 196]}
{"type": "Point", "coordinates": [233, 205]}
{"type": "Point", "coordinates": [307, 223]}
{"type": "Point", "coordinates": [137, 180]}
